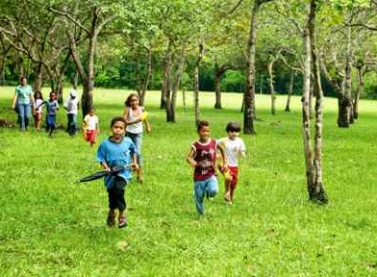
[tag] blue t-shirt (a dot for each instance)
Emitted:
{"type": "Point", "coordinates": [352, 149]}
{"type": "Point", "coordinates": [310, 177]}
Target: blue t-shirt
{"type": "Point", "coordinates": [116, 154]}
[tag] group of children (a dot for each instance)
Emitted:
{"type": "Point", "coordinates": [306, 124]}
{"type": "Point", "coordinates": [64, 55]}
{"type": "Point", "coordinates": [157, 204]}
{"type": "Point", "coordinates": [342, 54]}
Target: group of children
{"type": "Point", "coordinates": [71, 105]}
{"type": "Point", "coordinates": [203, 157]}
{"type": "Point", "coordinates": [123, 148]}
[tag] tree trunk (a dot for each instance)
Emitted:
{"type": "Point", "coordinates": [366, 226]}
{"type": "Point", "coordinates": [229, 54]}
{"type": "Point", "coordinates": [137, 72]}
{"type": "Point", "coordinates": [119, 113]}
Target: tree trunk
{"type": "Point", "coordinates": [196, 83]}
{"type": "Point", "coordinates": [184, 99]}
{"type": "Point", "coordinates": [38, 82]}
{"type": "Point", "coordinates": [271, 83]}
{"type": "Point", "coordinates": [75, 80]}
{"type": "Point", "coordinates": [345, 102]}
{"type": "Point", "coordinates": [313, 161]}
{"type": "Point", "coordinates": [249, 95]}
{"type": "Point", "coordinates": [196, 95]}
{"type": "Point", "coordinates": [218, 91]}
{"type": "Point", "coordinates": [290, 92]}
{"type": "Point", "coordinates": [165, 90]}
{"type": "Point", "coordinates": [218, 74]}
{"type": "Point", "coordinates": [171, 98]}
{"type": "Point", "coordinates": [359, 91]}
{"type": "Point", "coordinates": [148, 75]}
{"type": "Point", "coordinates": [2, 72]}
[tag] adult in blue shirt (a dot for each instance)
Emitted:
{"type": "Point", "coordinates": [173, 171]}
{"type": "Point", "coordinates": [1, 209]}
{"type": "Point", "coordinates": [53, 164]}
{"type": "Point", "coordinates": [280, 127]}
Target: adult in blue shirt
{"type": "Point", "coordinates": [23, 101]}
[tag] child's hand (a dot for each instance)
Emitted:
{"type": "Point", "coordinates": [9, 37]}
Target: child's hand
{"type": "Point", "coordinates": [194, 164]}
{"type": "Point", "coordinates": [135, 166]}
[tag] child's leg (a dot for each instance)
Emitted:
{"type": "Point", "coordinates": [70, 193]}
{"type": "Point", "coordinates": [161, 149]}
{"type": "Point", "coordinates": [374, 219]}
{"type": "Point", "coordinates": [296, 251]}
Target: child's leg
{"type": "Point", "coordinates": [233, 183]}
{"type": "Point", "coordinates": [119, 188]}
{"type": "Point", "coordinates": [199, 189]}
{"type": "Point", "coordinates": [212, 186]}
{"type": "Point", "coordinates": [137, 139]}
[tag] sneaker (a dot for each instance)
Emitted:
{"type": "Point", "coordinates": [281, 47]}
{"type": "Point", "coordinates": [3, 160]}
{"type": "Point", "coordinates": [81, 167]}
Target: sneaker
{"type": "Point", "coordinates": [122, 222]}
{"type": "Point", "coordinates": [110, 219]}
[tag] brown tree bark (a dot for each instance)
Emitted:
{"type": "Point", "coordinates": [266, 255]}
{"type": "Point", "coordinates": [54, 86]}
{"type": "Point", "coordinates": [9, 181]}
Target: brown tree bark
{"type": "Point", "coordinates": [165, 90]}
{"type": "Point", "coordinates": [360, 89]}
{"type": "Point", "coordinates": [171, 100]}
{"type": "Point", "coordinates": [249, 95]}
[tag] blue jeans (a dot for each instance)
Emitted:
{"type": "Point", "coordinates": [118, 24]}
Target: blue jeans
{"type": "Point", "coordinates": [24, 112]}
{"type": "Point", "coordinates": [137, 139]}
{"type": "Point", "coordinates": [208, 187]}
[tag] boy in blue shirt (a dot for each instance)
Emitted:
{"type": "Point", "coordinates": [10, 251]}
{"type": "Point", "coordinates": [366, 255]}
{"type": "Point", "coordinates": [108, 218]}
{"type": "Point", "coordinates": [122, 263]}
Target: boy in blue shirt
{"type": "Point", "coordinates": [117, 150]}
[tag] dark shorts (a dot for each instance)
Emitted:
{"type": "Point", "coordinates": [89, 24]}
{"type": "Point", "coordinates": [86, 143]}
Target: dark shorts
{"type": "Point", "coordinates": [116, 194]}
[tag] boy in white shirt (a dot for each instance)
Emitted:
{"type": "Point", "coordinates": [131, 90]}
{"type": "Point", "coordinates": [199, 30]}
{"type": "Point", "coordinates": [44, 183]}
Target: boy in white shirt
{"type": "Point", "coordinates": [233, 148]}
{"type": "Point", "coordinates": [91, 127]}
{"type": "Point", "coordinates": [71, 106]}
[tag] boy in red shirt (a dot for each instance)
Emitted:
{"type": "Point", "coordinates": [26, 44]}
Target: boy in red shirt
{"type": "Point", "coordinates": [202, 157]}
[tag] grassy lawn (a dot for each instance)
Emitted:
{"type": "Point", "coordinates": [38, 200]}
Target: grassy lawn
{"type": "Point", "coordinates": [51, 226]}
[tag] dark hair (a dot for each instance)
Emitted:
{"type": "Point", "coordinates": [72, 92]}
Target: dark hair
{"type": "Point", "coordinates": [52, 92]}
{"type": "Point", "coordinates": [128, 100]}
{"type": "Point", "coordinates": [22, 78]}
{"type": "Point", "coordinates": [233, 127]}
{"type": "Point", "coordinates": [201, 124]}
{"type": "Point", "coordinates": [36, 93]}
{"type": "Point", "coordinates": [117, 119]}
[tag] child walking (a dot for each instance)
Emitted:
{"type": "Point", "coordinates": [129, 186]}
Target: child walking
{"type": "Point", "coordinates": [202, 157]}
{"type": "Point", "coordinates": [91, 127]}
{"type": "Point", "coordinates": [71, 106]}
{"type": "Point", "coordinates": [38, 100]}
{"type": "Point", "coordinates": [117, 150]}
{"type": "Point", "coordinates": [52, 106]}
{"type": "Point", "coordinates": [135, 115]}
{"type": "Point", "coordinates": [234, 147]}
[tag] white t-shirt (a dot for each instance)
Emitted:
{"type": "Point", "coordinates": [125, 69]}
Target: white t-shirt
{"type": "Point", "coordinates": [38, 102]}
{"type": "Point", "coordinates": [91, 122]}
{"type": "Point", "coordinates": [136, 128]}
{"type": "Point", "coordinates": [233, 149]}
{"type": "Point", "coordinates": [71, 105]}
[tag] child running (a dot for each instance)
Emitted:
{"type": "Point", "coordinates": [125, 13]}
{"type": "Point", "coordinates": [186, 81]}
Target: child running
{"type": "Point", "coordinates": [52, 106]}
{"type": "Point", "coordinates": [71, 106]}
{"type": "Point", "coordinates": [117, 150]}
{"type": "Point", "coordinates": [233, 147]}
{"type": "Point", "coordinates": [38, 100]}
{"type": "Point", "coordinates": [135, 115]}
{"type": "Point", "coordinates": [202, 157]}
{"type": "Point", "coordinates": [91, 127]}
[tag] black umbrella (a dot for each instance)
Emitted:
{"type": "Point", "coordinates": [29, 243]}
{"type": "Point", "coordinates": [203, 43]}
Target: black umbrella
{"type": "Point", "coordinates": [114, 171]}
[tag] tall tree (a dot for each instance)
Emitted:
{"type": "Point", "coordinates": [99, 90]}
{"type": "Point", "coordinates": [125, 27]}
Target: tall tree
{"type": "Point", "coordinates": [77, 20]}
{"type": "Point", "coordinates": [313, 155]}
{"type": "Point", "coordinates": [249, 95]}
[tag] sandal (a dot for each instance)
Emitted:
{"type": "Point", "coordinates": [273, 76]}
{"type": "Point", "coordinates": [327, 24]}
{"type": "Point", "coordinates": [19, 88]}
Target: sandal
{"type": "Point", "coordinates": [122, 222]}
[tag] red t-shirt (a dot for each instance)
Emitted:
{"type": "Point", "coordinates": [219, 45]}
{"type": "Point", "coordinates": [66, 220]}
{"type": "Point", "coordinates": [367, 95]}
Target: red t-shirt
{"type": "Point", "coordinates": [205, 156]}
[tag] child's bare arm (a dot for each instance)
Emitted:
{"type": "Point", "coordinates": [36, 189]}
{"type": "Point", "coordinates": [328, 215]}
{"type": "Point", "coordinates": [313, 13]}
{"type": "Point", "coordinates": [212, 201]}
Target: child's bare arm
{"type": "Point", "coordinates": [105, 166]}
{"type": "Point", "coordinates": [190, 158]}
{"type": "Point", "coordinates": [221, 148]}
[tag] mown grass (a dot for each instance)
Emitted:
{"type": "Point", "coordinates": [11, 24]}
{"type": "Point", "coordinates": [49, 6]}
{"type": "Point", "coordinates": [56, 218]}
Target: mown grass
{"type": "Point", "coordinates": [51, 226]}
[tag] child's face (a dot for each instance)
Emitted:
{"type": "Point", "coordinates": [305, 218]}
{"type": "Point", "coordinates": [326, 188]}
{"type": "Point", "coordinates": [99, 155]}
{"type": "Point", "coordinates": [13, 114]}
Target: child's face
{"type": "Point", "coordinates": [134, 101]}
{"type": "Point", "coordinates": [233, 134]}
{"type": "Point", "coordinates": [204, 133]}
{"type": "Point", "coordinates": [52, 96]}
{"type": "Point", "coordinates": [118, 129]}
{"type": "Point", "coordinates": [91, 112]}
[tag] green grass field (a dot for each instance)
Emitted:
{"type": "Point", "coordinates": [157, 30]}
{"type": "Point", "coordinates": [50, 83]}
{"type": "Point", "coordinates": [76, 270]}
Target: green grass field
{"type": "Point", "coordinates": [51, 226]}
